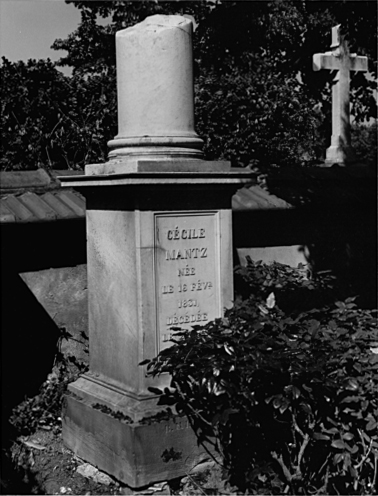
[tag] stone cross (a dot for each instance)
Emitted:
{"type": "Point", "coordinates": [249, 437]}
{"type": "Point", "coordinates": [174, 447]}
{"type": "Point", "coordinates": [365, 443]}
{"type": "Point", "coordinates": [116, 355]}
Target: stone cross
{"type": "Point", "coordinates": [340, 60]}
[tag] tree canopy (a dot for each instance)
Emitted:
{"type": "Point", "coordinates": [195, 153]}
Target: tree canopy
{"type": "Point", "coordinates": [257, 99]}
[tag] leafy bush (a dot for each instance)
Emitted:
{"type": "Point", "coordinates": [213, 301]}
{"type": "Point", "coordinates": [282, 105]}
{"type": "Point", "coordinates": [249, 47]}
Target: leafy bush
{"type": "Point", "coordinates": [51, 120]}
{"type": "Point", "coordinates": [287, 397]}
{"type": "Point", "coordinates": [258, 99]}
{"type": "Point", "coordinates": [296, 290]}
{"type": "Point", "coordinates": [364, 142]}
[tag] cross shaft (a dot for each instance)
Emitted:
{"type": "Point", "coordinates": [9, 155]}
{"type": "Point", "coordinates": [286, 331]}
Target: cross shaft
{"type": "Point", "coordinates": [341, 61]}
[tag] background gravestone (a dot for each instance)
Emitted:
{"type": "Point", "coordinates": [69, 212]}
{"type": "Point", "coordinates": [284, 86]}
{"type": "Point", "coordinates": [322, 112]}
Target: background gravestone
{"type": "Point", "coordinates": [342, 62]}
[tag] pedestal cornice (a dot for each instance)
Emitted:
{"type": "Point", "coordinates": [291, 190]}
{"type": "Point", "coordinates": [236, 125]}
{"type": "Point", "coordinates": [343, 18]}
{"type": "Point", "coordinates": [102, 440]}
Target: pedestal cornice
{"type": "Point", "coordinates": [209, 175]}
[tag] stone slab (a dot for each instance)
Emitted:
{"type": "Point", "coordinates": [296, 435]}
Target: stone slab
{"type": "Point", "coordinates": [137, 454]}
{"type": "Point", "coordinates": [142, 280]}
{"type": "Point", "coordinates": [24, 179]}
{"type": "Point", "coordinates": [233, 176]}
{"type": "Point", "coordinates": [141, 283]}
{"type": "Point", "coordinates": [173, 165]}
{"type": "Point", "coordinates": [159, 257]}
{"type": "Point", "coordinates": [187, 271]}
{"type": "Point", "coordinates": [287, 255]}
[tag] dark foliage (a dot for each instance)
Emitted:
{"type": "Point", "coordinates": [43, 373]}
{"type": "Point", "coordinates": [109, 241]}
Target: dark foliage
{"type": "Point", "coordinates": [49, 120]}
{"type": "Point", "coordinates": [284, 386]}
{"type": "Point", "coordinates": [257, 97]}
{"type": "Point", "coordinates": [44, 409]}
{"type": "Point", "coordinates": [36, 412]}
{"type": "Point", "coordinates": [364, 142]}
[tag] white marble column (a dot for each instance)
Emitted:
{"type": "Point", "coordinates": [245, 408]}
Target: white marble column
{"type": "Point", "coordinates": [155, 91]}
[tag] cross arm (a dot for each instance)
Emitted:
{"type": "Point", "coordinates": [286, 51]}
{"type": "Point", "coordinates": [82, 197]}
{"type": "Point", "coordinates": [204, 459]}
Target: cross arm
{"type": "Point", "coordinates": [329, 61]}
{"type": "Point", "coordinates": [325, 61]}
{"type": "Point", "coordinates": [358, 63]}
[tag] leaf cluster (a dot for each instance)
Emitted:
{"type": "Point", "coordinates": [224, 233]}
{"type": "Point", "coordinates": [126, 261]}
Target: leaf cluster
{"type": "Point", "coordinates": [287, 397]}
{"type": "Point", "coordinates": [257, 100]}
{"type": "Point", "coordinates": [52, 121]}
{"type": "Point", "coordinates": [364, 142]}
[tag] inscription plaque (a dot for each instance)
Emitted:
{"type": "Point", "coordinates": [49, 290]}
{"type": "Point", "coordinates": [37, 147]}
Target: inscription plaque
{"type": "Point", "coordinates": [187, 264]}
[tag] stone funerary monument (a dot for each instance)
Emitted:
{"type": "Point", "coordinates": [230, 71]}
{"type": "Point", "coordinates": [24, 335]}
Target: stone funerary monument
{"type": "Point", "coordinates": [342, 62]}
{"type": "Point", "coordinates": [159, 256]}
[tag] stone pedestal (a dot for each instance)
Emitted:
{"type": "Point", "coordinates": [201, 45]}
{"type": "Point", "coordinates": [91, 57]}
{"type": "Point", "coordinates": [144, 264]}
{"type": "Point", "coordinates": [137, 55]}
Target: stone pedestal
{"type": "Point", "coordinates": [339, 154]}
{"type": "Point", "coordinates": [159, 257]}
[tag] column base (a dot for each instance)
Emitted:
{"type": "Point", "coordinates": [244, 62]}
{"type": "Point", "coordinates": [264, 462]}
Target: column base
{"type": "Point", "coordinates": [138, 453]}
{"type": "Point", "coordinates": [127, 165]}
{"type": "Point", "coordinates": [163, 147]}
{"type": "Point", "coordinates": [339, 155]}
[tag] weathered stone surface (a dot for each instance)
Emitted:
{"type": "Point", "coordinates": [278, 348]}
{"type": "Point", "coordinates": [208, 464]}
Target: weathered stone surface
{"type": "Point", "coordinates": [20, 180]}
{"type": "Point", "coordinates": [137, 454]}
{"type": "Point", "coordinates": [155, 90]}
{"type": "Point", "coordinates": [159, 256]}
{"type": "Point", "coordinates": [62, 292]}
{"type": "Point", "coordinates": [90, 472]}
{"type": "Point", "coordinates": [341, 61]}
{"type": "Point", "coordinates": [118, 166]}
{"type": "Point", "coordinates": [141, 281]}
{"type": "Point", "coordinates": [288, 255]}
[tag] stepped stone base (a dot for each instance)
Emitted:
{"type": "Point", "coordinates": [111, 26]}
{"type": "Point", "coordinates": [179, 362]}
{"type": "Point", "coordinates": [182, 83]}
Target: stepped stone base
{"type": "Point", "coordinates": [341, 155]}
{"type": "Point", "coordinates": [136, 453]}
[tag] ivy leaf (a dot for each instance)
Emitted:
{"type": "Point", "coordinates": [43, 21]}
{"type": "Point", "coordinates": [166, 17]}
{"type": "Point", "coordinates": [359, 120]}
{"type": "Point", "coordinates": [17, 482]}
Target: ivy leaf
{"type": "Point", "coordinates": [352, 384]}
{"type": "Point", "coordinates": [333, 430]}
{"type": "Point", "coordinates": [338, 458]}
{"type": "Point", "coordinates": [320, 437]}
{"type": "Point", "coordinates": [263, 309]}
{"type": "Point", "coordinates": [271, 301]}
{"type": "Point", "coordinates": [357, 366]}
{"type": "Point", "coordinates": [229, 349]}
{"type": "Point", "coordinates": [306, 407]}
{"type": "Point", "coordinates": [372, 424]}
{"type": "Point", "coordinates": [348, 436]}
{"type": "Point", "coordinates": [338, 443]}
{"type": "Point", "coordinates": [351, 399]}
{"type": "Point", "coordinates": [284, 406]}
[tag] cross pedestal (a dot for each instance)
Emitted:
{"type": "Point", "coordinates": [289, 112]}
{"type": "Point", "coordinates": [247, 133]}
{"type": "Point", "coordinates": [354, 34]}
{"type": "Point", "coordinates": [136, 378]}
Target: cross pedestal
{"type": "Point", "coordinates": [341, 61]}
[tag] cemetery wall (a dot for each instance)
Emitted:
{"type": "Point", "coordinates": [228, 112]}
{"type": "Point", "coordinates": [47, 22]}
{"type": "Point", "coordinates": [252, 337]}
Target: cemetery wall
{"type": "Point", "coordinates": [43, 278]}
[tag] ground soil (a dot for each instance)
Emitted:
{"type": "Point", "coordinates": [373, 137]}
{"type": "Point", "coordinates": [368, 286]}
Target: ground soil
{"type": "Point", "coordinates": [41, 464]}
